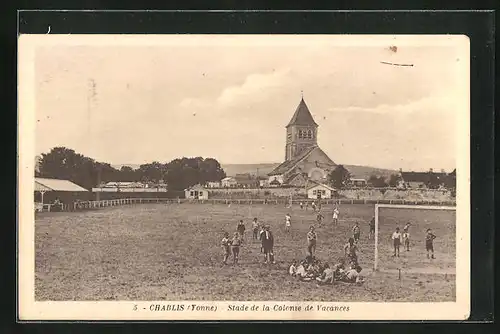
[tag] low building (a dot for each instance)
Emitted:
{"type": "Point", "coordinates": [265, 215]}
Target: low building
{"type": "Point", "coordinates": [358, 182]}
{"type": "Point", "coordinates": [228, 182]}
{"type": "Point", "coordinates": [64, 192]}
{"type": "Point", "coordinates": [196, 192]}
{"type": "Point", "coordinates": [319, 191]}
{"type": "Point", "coordinates": [422, 180]}
{"type": "Point", "coordinates": [246, 181]}
{"type": "Point", "coordinates": [213, 184]}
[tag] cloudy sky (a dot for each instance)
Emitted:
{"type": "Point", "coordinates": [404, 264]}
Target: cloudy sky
{"type": "Point", "coordinates": [231, 97]}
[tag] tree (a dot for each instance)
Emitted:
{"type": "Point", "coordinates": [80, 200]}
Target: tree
{"type": "Point", "coordinates": [394, 180]}
{"type": "Point", "coordinates": [339, 177]}
{"type": "Point", "coordinates": [377, 181]}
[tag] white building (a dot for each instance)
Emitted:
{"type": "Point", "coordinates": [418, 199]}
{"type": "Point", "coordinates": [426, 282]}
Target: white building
{"type": "Point", "coordinates": [229, 182]}
{"type": "Point", "coordinates": [196, 192]}
{"type": "Point", "coordinates": [213, 184]}
{"type": "Point", "coordinates": [319, 190]}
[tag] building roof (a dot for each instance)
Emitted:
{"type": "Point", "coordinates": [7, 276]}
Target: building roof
{"type": "Point", "coordinates": [44, 184]}
{"type": "Point", "coordinates": [195, 187]}
{"type": "Point", "coordinates": [317, 184]}
{"type": "Point", "coordinates": [229, 178]}
{"type": "Point", "coordinates": [302, 116]}
{"type": "Point", "coordinates": [287, 166]}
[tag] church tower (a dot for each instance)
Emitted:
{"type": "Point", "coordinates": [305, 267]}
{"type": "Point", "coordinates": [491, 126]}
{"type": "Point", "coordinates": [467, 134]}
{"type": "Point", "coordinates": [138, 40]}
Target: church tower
{"type": "Point", "coordinates": [301, 132]}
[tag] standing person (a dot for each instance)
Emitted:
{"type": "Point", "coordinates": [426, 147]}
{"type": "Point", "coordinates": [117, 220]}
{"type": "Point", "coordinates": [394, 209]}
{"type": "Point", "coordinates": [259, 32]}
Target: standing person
{"type": "Point", "coordinates": [350, 251]}
{"type": "Point", "coordinates": [235, 247]}
{"type": "Point", "coordinates": [307, 205]}
{"type": "Point", "coordinates": [319, 218]}
{"type": "Point", "coordinates": [312, 238]}
{"type": "Point", "coordinates": [301, 205]}
{"type": "Point", "coordinates": [241, 230]}
{"type": "Point", "coordinates": [288, 222]}
{"type": "Point", "coordinates": [406, 237]}
{"type": "Point", "coordinates": [255, 229]}
{"type": "Point", "coordinates": [268, 245]}
{"type": "Point", "coordinates": [429, 243]}
{"type": "Point", "coordinates": [372, 228]}
{"type": "Point", "coordinates": [396, 240]}
{"type": "Point", "coordinates": [335, 215]}
{"type": "Point", "coordinates": [356, 232]}
{"type": "Point", "coordinates": [313, 205]}
{"type": "Point", "coordinates": [226, 245]}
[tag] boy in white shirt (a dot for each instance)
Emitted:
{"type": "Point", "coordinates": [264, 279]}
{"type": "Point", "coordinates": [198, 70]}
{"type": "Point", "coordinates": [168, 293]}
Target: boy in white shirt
{"type": "Point", "coordinates": [396, 240]}
{"type": "Point", "coordinates": [293, 268]}
{"type": "Point", "coordinates": [335, 215]}
{"type": "Point", "coordinates": [288, 222]}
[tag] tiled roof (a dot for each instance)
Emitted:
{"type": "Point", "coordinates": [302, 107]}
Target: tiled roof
{"type": "Point", "coordinates": [287, 165]}
{"type": "Point", "coordinates": [316, 184]}
{"type": "Point", "coordinates": [56, 185]}
{"type": "Point", "coordinates": [302, 116]}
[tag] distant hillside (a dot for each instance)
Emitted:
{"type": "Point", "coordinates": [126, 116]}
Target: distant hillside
{"type": "Point", "coordinates": [362, 172]}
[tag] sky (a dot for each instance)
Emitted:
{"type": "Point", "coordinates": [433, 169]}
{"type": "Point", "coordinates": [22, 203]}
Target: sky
{"type": "Point", "coordinates": [230, 98]}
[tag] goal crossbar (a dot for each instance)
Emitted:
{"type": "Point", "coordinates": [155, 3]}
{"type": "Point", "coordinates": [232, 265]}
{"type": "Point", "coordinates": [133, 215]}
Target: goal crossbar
{"type": "Point", "coordinates": [401, 206]}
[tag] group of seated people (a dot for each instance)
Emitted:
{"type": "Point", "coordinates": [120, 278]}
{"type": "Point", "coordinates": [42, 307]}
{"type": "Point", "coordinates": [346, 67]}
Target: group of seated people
{"type": "Point", "coordinates": [313, 269]}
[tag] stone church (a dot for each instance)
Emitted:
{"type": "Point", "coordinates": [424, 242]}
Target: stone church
{"type": "Point", "coordinates": [304, 159]}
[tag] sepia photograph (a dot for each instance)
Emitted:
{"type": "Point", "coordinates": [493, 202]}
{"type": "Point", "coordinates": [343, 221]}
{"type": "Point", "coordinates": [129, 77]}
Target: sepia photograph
{"type": "Point", "coordinates": [201, 176]}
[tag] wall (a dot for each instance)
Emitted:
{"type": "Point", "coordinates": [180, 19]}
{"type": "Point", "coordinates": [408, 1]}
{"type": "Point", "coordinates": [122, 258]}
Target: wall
{"type": "Point", "coordinates": [372, 194]}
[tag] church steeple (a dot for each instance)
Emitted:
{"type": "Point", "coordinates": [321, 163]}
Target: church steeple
{"type": "Point", "coordinates": [301, 131]}
{"type": "Point", "coordinates": [302, 115]}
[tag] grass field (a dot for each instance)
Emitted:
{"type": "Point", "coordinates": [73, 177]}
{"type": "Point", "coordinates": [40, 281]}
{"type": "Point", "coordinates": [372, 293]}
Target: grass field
{"type": "Point", "coordinates": [172, 252]}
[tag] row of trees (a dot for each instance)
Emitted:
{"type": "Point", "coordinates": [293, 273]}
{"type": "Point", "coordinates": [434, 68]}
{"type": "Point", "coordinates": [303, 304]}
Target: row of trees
{"type": "Point", "coordinates": [65, 163]}
{"type": "Point", "coordinates": [340, 178]}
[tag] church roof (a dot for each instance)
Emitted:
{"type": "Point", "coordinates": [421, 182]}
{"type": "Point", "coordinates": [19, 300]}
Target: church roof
{"type": "Point", "coordinates": [302, 115]}
{"type": "Point", "coordinates": [289, 165]}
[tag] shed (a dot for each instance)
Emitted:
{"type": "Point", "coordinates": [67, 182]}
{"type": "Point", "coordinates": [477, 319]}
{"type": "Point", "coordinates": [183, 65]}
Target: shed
{"type": "Point", "coordinates": [319, 191]}
{"type": "Point", "coordinates": [196, 192]}
{"type": "Point", "coordinates": [65, 189]}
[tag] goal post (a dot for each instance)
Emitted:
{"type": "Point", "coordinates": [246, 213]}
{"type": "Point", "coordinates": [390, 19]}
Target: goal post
{"type": "Point", "coordinates": [398, 206]}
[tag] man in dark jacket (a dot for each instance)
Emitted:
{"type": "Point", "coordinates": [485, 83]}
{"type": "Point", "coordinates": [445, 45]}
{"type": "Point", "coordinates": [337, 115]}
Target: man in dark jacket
{"type": "Point", "coordinates": [267, 244]}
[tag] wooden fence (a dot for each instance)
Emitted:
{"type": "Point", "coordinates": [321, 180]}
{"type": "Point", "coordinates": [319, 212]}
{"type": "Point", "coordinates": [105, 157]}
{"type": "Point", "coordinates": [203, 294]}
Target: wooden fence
{"type": "Point", "coordinates": [86, 205]}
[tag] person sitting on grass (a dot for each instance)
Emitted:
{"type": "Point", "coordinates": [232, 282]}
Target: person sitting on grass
{"type": "Point", "coordinates": [327, 276]}
{"type": "Point", "coordinates": [352, 275]}
{"type": "Point", "coordinates": [235, 247]}
{"type": "Point", "coordinates": [339, 268]}
{"type": "Point", "coordinates": [301, 273]}
{"type": "Point", "coordinates": [226, 247]}
{"type": "Point", "coordinates": [292, 271]}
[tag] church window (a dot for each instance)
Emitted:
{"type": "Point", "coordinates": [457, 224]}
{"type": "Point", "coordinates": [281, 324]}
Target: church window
{"type": "Point", "coordinates": [309, 134]}
{"type": "Point", "coordinates": [300, 134]}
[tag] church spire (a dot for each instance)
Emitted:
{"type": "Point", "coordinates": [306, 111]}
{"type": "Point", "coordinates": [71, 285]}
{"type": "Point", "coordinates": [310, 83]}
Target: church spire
{"type": "Point", "coordinates": [302, 115]}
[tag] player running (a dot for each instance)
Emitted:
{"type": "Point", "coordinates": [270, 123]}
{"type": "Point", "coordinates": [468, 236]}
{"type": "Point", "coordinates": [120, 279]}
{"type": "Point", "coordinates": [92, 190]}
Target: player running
{"type": "Point", "coordinates": [429, 243]}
